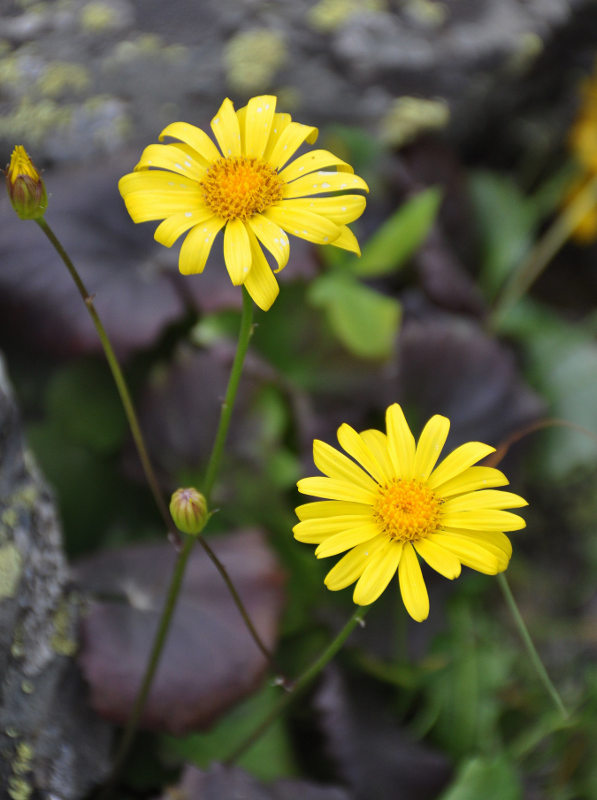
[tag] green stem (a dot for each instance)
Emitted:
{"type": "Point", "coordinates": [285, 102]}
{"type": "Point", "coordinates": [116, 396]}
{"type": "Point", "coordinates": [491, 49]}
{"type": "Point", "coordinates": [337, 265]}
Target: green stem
{"type": "Point", "coordinates": [119, 380]}
{"type": "Point", "coordinates": [300, 684]}
{"type": "Point", "coordinates": [530, 647]}
{"type": "Point", "coordinates": [554, 238]}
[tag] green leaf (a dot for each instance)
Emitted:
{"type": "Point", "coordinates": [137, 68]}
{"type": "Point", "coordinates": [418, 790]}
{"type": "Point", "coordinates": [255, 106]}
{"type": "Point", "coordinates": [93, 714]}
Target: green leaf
{"type": "Point", "coordinates": [269, 758]}
{"type": "Point", "coordinates": [487, 778]}
{"type": "Point", "coordinates": [506, 220]}
{"type": "Point", "coordinates": [365, 321]}
{"type": "Point", "coordinates": [399, 237]}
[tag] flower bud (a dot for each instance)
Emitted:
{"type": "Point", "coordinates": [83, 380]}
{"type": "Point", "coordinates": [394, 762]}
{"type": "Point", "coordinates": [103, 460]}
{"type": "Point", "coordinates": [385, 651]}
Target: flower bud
{"type": "Point", "coordinates": [25, 187]}
{"type": "Point", "coordinates": [189, 510]}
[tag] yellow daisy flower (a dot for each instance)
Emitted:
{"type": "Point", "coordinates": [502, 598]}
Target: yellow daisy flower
{"type": "Point", "coordinates": [395, 505]}
{"type": "Point", "coordinates": [249, 188]}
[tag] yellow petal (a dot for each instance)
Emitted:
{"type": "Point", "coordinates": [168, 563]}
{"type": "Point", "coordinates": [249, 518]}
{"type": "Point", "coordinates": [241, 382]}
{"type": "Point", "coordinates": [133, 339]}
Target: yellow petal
{"type": "Point", "coordinates": [351, 566]}
{"type": "Point", "coordinates": [378, 573]}
{"type": "Point", "coordinates": [330, 508]}
{"type": "Point", "coordinates": [237, 251]}
{"type": "Point", "coordinates": [488, 498]}
{"type": "Point", "coordinates": [260, 282]}
{"type": "Point", "coordinates": [412, 586]}
{"type": "Point", "coordinates": [469, 552]}
{"type": "Point", "coordinates": [173, 227]}
{"type": "Point", "coordinates": [494, 541]}
{"type": "Point", "coordinates": [430, 445]}
{"type": "Point", "coordinates": [259, 117]}
{"type": "Point", "coordinates": [344, 540]}
{"type": "Point", "coordinates": [438, 558]}
{"type": "Point", "coordinates": [458, 460]}
{"type": "Point", "coordinates": [356, 446]}
{"type": "Point", "coordinates": [336, 465]}
{"type": "Point", "coordinates": [314, 531]}
{"type": "Point", "coordinates": [195, 138]}
{"type": "Point", "coordinates": [401, 442]}
{"type": "Point", "coordinates": [483, 519]}
{"type": "Point", "coordinates": [471, 479]}
{"type": "Point", "coordinates": [342, 208]}
{"type": "Point", "coordinates": [322, 182]}
{"type": "Point", "coordinates": [226, 129]}
{"type": "Point", "coordinates": [156, 181]}
{"type": "Point", "coordinates": [196, 247]}
{"type": "Point", "coordinates": [146, 206]}
{"type": "Point", "coordinates": [290, 139]}
{"type": "Point", "coordinates": [173, 158]}
{"type": "Point", "coordinates": [309, 162]}
{"type": "Point", "coordinates": [331, 489]}
{"type": "Point", "coordinates": [304, 224]}
{"type": "Point", "coordinates": [279, 124]}
{"type": "Point", "coordinates": [377, 442]}
{"type": "Point", "coordinates": [347, 241]}
{"type": "Point", "coordinates": [271, 236]}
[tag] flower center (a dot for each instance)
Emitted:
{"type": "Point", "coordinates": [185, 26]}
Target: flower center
{"type": "Point", "coordinates": [238, 187]}
{"type": "Point", "coordinates": [407, 510]}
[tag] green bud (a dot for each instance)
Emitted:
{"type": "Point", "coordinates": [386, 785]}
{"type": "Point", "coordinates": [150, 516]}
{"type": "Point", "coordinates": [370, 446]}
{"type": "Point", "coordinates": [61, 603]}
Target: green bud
{"type": "Point", "coordinates": [25, 187]}
{"type": "Point", "coordinates": [189, 510]}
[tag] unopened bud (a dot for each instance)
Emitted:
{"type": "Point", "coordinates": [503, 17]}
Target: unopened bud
{"type": "Point", "coordinates": [25, 187]}
{"type": "Point", "coordinates": [189, 510]}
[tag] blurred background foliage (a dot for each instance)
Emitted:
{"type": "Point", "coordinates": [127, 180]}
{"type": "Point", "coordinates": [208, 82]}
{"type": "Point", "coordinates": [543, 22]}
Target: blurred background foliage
{"type": "Point", "coordinates": [475, 139]}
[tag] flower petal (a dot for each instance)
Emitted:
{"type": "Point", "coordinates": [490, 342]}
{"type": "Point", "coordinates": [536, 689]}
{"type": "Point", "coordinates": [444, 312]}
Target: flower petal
{"type": "Point", "coordinates": [347, 539]}
{"type": "Point", "coordinates": [377, 442]}
{"type": "Point", "coordinates": [237, 251]}
{"type": "Point", "coordinates": [356, 446]}
{"type": "Point", "coordinates": [330, 508]}
{"type": "Point", "coordinates": [173, 158]}
{"type": "Point", "coordinates": [430, 444]}
{"type": "Point", "coordinates": [156, 181]}
{"type": "Point", "coordinates": [314, 531]}
{"type": "Point", "coordinates": [334, 490]}
{"type": "Point", "coordinates": [258, 124]}
{"type": "Point", "coordinates": [468, 551]}
{"type": "Point", "coordinates": [483, 519]}
{"type": "Point", "coordinates": [279, 124]}
{"type": "Point", "coordinates": [324, 182]}
{"type": "Point", "coordinates": [336, 465]}
{"type": "Point", "coordinates": [494, 541]}
{"type": "Point", "coordinates": [309, 162]}
{"type": "Point", "coordinates": [173, 227]}
{"type": "Point", "coordinates": [488, 498]}
{"type": "Point", "coordinates": [471, 479]}
{"type": "Point", "coordinates": [438, 558]}
{"type": "Point", "coordinates": [271, 236]}
{"type": "Point", "coordinates": [226, 129]}
{"type": "Point", "coordinates": [146, 206]}
{"type": "Point", "coordinates": [290, 139]}
{"type": "Point", "coordinates": [195, 138]}
{"type": "Point", "coordinates": [412, 585]}
{"type": "Point", "coordinates": [260, 282]}
{"type": "Point", "coordinates": [340, 208]}
{"type": "Point", "coordinates": [352, 565]}
{"type": "Point", "coordinates": [347, 241]}
{"type": "Point", "coordinates": [196, 247]}
{"type": "Point", "coordinates": [304, 224]}
{"type": "Point", "coordinates": [401, 442]}
{"type": "Point", "coordinates": [378, 573]}
{"type": "Point", "coordinates": [458, 460]}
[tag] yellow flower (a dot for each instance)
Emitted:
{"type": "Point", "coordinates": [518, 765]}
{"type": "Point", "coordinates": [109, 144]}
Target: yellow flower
{"type": "Point", "coordinates": [246, 187]}
{"type": "Point", "coordinates": [394, 504]}
{"type": "Point", "coordinates": [26, 189]}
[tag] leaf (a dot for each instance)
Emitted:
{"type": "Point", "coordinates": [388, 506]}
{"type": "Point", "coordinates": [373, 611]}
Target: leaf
{"type": "Point", "coordinates": [507, 221]}
{"type": "Point", "coordinates": [399, 237]}
{"type": "Point", "coordinates": [365, 321]}
{"type": "Point", "coordinates": [489, 778]}
{"type": "Point", "coordinates": [210, 661]}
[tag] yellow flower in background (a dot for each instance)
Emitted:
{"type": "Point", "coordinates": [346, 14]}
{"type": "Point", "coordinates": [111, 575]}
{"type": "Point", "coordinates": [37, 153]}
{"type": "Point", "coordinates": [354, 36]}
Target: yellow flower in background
{"type": "Point", "coordinates": [582, 138]}
{"type": "Point", "coordinates": [389, 504]}
{"type": "Point", "coordinates": [248, 188]}
{"type": "Point", "coordinates": [25, 186]}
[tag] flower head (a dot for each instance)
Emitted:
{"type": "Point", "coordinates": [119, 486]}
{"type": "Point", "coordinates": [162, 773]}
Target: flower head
{"type": "Point", "coordinates": [395, 505]}
{"type": "Point", "coordinates": [189, 510]}
{"type": "Point", "coordinates": [25, 187]}
{"type": "Point", "coordinates": [249, 188]}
